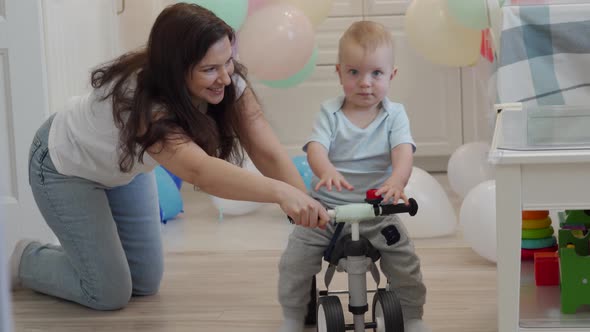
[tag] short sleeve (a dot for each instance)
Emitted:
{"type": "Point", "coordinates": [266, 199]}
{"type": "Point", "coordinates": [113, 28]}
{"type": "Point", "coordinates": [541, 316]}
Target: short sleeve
{"type": "Point", "coordinates": [322, 130]}
{"type": "Point", "coordinates": [240, 85]}
{"type": "Point", "coordinates": [399, 132]}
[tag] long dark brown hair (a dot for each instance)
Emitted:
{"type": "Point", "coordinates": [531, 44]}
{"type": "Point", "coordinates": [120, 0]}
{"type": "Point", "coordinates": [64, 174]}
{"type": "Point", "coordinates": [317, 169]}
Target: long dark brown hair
{"type": "Point", "coordinates": [179, 39]}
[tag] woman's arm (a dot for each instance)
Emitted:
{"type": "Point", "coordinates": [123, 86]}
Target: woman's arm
{"type": "Point", "coordinates": [217, 177]}
{"type": "Point", "coordinates": [263, 146]}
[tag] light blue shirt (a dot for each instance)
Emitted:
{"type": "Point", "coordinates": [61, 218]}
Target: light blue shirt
{"type": "Point", "coordinates": [362, 156]}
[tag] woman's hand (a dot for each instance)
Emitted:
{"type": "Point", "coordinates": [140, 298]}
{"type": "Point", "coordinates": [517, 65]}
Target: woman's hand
{"type": "Point", "coordinates": [333, 178]}
{"type": "Point", "coordinates": [304, 210]}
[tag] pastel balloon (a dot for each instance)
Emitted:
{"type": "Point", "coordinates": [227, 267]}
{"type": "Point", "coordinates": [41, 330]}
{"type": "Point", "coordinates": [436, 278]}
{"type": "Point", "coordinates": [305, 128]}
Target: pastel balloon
{"type": "Point", "coordinates": [435, 35]}
{"type": "Point", "coordinates": [299, 77]}
{"type": "Point", "coordinates": [470, 13]}
{"type": "Point", "coordinates": [469, 166]}
{"type": "Point", "coordinates": [234, 207]}
{"type": "Point", "coordinates": [232, 12]}
{"type": "Point", "coordinates": [276, 42]}
{"type": "Point", "coordinates": [315, 10]}
{"type": "Point", "coordinates": [254, 5]}
{"type": "Point", "coordinates": [478, 219]}
{"type": "Point", "coordinates": [169, 196]}
{"type": "Point", "coordinates": [304, 170]}
{"type": "Point", "coordinates": [436, 216]}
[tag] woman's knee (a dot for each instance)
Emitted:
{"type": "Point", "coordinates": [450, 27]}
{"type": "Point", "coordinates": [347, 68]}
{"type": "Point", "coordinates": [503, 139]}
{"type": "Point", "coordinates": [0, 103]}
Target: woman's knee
{"type": "Point", "coordinates": [112, 293]}
{"type": "Point", "coordinates": [148, 282]}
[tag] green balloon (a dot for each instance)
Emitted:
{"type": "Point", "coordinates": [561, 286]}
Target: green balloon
{"type": "Point", "coordinates": [298, 77]}
{"type": "Point", "coordinates": [233, 12]}
{"type": "Point", "coordinates": [471, 13]}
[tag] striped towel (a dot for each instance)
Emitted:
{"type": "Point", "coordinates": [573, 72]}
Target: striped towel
{"type": "Point", "coordinates": [545, 55]}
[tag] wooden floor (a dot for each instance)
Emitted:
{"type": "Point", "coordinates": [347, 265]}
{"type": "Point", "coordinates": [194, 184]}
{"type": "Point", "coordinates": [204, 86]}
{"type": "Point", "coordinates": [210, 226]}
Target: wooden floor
{"type": "Point", "coordinates": [221, 275]}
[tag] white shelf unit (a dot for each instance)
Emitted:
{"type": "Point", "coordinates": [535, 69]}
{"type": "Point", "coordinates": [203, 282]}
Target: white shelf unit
{"type": "Point", "coordinates": [540, 306]}
{"type": "Point", "coordinates": [534, 180]}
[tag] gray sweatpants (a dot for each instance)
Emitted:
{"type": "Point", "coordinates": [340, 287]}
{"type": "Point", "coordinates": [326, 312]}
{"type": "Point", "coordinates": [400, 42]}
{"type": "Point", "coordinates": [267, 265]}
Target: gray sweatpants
{"type": "Point", "coordinates": [303, 259]}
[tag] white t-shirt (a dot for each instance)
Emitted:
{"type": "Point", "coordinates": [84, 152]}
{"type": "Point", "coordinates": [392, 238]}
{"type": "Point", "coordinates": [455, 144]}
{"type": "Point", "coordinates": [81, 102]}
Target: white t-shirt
{"type": "Point", "coordinates": [84, 140]}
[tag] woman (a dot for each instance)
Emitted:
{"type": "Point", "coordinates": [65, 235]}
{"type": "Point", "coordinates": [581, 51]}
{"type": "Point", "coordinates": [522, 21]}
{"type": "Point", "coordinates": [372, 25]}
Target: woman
{"type": "Point", "coordinates": [183, 103]}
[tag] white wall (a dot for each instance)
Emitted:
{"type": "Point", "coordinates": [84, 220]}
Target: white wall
{"type": "Point", "coordinates": [5, 310]}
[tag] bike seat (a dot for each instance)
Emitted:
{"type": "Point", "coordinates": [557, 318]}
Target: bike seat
{"type": "Point", "coordinates": [345, 247]}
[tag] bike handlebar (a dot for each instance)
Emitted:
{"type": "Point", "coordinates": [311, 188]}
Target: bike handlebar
{"type": "Point", "coordinates": [388, 209]}
{"type": "Point", "coordinates": [362, 211]}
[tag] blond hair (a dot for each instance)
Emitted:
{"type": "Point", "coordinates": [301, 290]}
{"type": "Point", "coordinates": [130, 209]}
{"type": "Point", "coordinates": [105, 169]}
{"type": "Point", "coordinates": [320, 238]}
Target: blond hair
{"type": "Point", "coordinates": [367, 34]}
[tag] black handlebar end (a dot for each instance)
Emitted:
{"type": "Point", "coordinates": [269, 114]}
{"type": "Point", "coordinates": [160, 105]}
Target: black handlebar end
{"type": "Point", "coordinates": [413, 207]}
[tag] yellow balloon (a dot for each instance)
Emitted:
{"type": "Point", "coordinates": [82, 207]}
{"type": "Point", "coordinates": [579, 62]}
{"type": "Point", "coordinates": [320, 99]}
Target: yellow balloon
{"type": "Point", "coordinates": [315, 10]}
{"type": "Point", "coordinates": [434, 34]}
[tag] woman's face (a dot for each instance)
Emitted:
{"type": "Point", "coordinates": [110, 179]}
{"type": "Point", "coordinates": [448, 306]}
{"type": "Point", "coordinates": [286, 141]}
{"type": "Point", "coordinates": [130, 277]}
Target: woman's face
{"type": "Point", "coordinates": [208, 78]}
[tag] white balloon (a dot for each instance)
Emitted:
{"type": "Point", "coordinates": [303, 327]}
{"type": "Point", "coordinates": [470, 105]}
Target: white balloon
{"type": "Point", "coordinates": [233, 207]}
{"type": "Point", "coordinates": [478, 219]}
{"type": "Point", "coordinates": [469, 166]}
{"type": "Point", "coordinates": [436, 216]}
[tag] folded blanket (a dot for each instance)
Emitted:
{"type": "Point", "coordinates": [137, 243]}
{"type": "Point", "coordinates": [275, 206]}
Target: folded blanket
{"type": "Point", "coordinates": [545, 55]}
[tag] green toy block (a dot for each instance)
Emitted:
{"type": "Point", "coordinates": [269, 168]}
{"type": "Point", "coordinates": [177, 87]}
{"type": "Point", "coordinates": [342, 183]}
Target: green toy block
{"type": "Point", "coordinates": [575, 280]}
{"type": "Point", "coordinates": [577, 217]}
{"type": "Point", "coordinates": [581, 244]}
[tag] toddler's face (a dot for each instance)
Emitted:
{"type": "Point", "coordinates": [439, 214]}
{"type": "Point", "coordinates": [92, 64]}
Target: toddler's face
{"type": "Point", "coordinates": [365, 75]}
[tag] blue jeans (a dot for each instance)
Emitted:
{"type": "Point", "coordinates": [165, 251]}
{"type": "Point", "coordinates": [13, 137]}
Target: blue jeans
{"type": "Point", "coordinates": [111, 246]}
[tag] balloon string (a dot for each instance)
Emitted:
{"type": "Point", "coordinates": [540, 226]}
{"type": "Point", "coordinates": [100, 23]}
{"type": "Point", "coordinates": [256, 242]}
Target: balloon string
{"type": "Point", "coordinates": [363, 11]}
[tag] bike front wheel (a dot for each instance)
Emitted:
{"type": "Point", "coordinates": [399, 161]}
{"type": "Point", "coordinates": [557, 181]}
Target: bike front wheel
{"type": "Point", "coordinates": [387, 312]}
{"type": "Point", "coordinates": [330, 315]}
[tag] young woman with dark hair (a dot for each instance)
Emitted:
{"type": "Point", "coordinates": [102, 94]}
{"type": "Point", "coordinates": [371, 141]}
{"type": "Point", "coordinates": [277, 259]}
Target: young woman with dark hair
{"type": "Point", "coordinates": [182, 102]}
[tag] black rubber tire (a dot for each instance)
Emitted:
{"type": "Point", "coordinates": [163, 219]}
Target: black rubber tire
{"type": "Point", "coordinates": [333, 317]}
{"type": "Point", "coordinates": [387, 303]}
{"type": "Point", "coordinates": [312, 306]}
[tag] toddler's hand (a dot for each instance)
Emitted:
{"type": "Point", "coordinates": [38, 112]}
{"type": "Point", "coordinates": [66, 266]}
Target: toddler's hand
{"type": "Point", "coordinates": [333, 178]}
{"type": "Point", "coordinates": [392, 191]}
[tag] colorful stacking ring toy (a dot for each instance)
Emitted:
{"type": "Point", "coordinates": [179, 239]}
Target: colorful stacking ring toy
{"type": "Point", "coordinates": [537, 233]}
{"type": "Point", "coordinates": [530, 253]}
{"type": "Point", "coordinates": [537, 214]}
{"type": "Point", "coordinates": [538, 243]}
{"type": "Point", "coordinates": [536, 223]}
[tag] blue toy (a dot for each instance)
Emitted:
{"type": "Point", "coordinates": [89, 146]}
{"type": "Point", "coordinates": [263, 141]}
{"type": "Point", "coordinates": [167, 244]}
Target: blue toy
{"type": "Point", "coordinates": [177, 180]}
{"type": "Point", "coordinates": [168, 194]}
{"type": "Point", "coordinates": [304, 170]}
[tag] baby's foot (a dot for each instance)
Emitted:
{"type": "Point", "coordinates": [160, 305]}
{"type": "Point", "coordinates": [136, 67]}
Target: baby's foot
{"type": "Point", "coordinates": [291, 325]}
{"type": "Point", "coordinates": [416, 325]}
